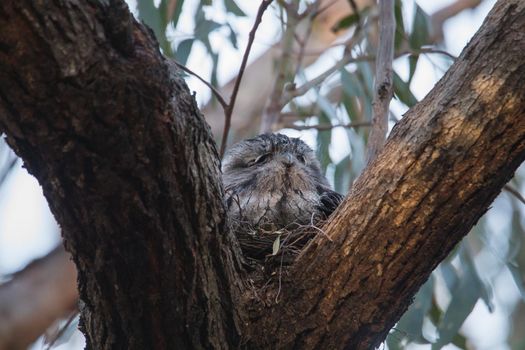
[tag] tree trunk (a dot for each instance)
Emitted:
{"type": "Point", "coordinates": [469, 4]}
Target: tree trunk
{"type": "Point", "coordinates": [129, 169]}
{"type": "Point", "coordinates": [132, 175]}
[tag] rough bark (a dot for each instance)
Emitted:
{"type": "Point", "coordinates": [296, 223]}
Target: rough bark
{"type": "Point", "coordinates": [442, 166]}
{"type": "Point", "coordinates": [131, 174]}
{"type": "Point", "coordinates": [88, 103]}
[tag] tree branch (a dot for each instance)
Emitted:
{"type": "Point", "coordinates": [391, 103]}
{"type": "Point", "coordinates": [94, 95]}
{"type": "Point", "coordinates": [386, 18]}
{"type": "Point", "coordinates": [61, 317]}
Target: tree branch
{"type": "Point", "coordinates": [514, 192]}
{"type": "Point", "coordinates": [284, 69]}
{"type": "Point", "coordinates": [36, 296]}
{"type": "Point", "coordinates": [228, 111]}
{"type": "Point", "coordinates": [325, 127]}
{"type": "Point", "coordinates": [442, 166]}
{"type": "Point", "coordinates": [130, 172]}
{"type": "Point", "coordinates": [383, 87]}
{"type": "Point", "coordinates": [215, 92]}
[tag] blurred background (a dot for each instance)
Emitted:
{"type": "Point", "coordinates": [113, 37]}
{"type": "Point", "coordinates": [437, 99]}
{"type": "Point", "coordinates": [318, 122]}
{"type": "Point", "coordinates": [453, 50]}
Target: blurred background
{"type": "Point", "coordinates": [324, 53]}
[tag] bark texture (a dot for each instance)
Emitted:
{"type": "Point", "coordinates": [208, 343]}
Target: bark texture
{"type": "Point", "coordinates": [131, 173]}
{"type": "Point", "coordinates": [129, 169]}
{"type": "Point", "coordinates": [442, 166]}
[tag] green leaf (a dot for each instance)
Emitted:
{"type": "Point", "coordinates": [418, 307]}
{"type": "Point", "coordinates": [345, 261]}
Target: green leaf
{"type": "Point", "coordinates": [351, 85]}
{"type": "Point", "coordinates": [450, 275]}
{"type": "Point", "coordinates": [402, 91]}
{"type": "Point", "coordinates": [204, 28]}
{"type": "Point", "coordinates": [419, 35]}
{"type": "Point", "coordinates": [412, 65]}
{"type": "Point", "coordinates": [515, 272]}
{"type": "Point", "coordinates": [460, 341]}
{"type": "Point", "coordinates": [485, 290]}
{"type": "Point", "coordinates": [411, 324]}
{"type": "Point", "coordinates": [464, 298]}
{"type": "Point", "coordinates": [327, 107]}
{"type": "Point", "coordinates": [324, 137]}
{"type": "Point", "coordinates": [358, 151]}
{"type": "Point", "coordinates": [435, 314]}
{"type": "Point", "coordinates": [232, 36]}
{"type": "Point", "coordinates": [232, 7]}
{"type": "Point", "coordinates": [346, 22]}
{"type": "Point", "coordinates": [183, 51]}
{"type": "Point", "coordinates": [214, 67]}
{"type": "Point", "coordinates": [399, 35]}
{"type": "Point", "coordinates": [276, 245]}
{"type": "Point", "coordinates": [342, 175]}
{"type": "Point", "coordinates": [350, 106]}
{"type": "Point", "coordinates": [366, 75]}
{"type": "Point", "coordinates": [151, 15]}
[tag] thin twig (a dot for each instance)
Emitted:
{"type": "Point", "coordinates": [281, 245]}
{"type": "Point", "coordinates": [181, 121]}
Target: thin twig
{"type": "Point", "coordinates": [383, 87]}
{"type": "Point", "coordinates": [62, 330]}
{"type": "Point", "coordinates": [303, 41]}
{"type": "Point", "coordinates": [301, 90]}
{"type": "Point", "coordinates": [326, 127]}
{"type": "Point", "coordinates": [229, 110]}
{"type": "Point", "coordinates": [284, 69]}
{"type": "Point", "coordinates": [347, 59]}
{"type": "Point", "coordinates": [212, 88]}
{"type": "Point", "coordinates": [514, 192]}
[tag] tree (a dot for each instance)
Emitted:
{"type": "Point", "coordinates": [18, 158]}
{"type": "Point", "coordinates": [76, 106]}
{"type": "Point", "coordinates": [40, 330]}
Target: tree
{"type": "Point", "coordinates": [131, 173]}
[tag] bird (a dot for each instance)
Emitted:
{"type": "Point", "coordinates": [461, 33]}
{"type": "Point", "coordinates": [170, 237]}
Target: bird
{"type": "Point", "coordinates": [275, 181]}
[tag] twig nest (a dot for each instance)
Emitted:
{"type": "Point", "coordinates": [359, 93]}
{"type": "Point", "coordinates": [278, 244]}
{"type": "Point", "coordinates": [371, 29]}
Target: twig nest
{"type": "Point", "coordinates": [269, 244]}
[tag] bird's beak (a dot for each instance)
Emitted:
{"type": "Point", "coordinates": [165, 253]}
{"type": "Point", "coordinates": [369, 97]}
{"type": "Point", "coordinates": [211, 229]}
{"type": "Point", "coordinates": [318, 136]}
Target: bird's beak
{"type": "Point", "coordinates": [287, 159]}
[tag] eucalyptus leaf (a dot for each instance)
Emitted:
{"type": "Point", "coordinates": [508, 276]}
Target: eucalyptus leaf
{"type": "Point", "coordinates": [350, 84]}
{"type": "Point", "coordinates": [516, 274]}
{"type": "Point", "coordinates": [346, 22]}
{"type": "Point", "coordinates": [151, 15]}
{"type": "Point", "coordinates": [232, 7]}
{"type": "Point", "coordinates": [411, 324]}
{"type": "Point", "coordinates": [342, 175]}
{"type": "Point", "coordinates": [418, 38]}
{"type": "Point", "coordinates": [460, 341]}
{"type": "Point", "coordinates": [276, 245]}
{"type": "Point", "coordinates": [184, 50]}
{"type": "Point", "coordinates": [402, 91]}
{"type": "Point", "coordinates": [464, 298]}
{"type": "Point", "coordinates": [399, 35]}
{"type": "Point", "coordinates": [450, 275]}
{"type": "Point", "coordinates": [420, 29]}
{"type": "Point", "coordinates": [412, 65]}
{"type": "Point", "coordinates": [324, 137]}
{"type": "Point", "coordinates": [351, 109]}
{"type": "Point", "coordinates": [232, 36]}
{"type": "Point", "coordinates": [485, 290]}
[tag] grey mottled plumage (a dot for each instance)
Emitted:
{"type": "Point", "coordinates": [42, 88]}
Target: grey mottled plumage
{"type": "Point", "coordinates": [277, 180]}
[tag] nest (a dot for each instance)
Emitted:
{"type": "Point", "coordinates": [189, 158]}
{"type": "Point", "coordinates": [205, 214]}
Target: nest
{"type": "Point", "coordinates": [266, 245]}
{"type": "Point", "coordinates": [268, 252]}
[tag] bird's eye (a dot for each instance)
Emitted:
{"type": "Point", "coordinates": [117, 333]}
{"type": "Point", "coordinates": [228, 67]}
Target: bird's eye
{"type": "Point", "coordinates": [302, 159]}
{"type": "Point", "coordinates": [260, 159]}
